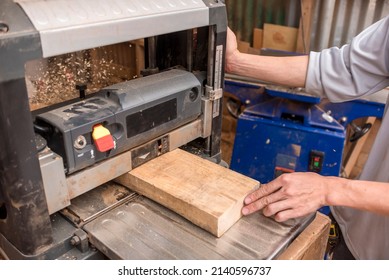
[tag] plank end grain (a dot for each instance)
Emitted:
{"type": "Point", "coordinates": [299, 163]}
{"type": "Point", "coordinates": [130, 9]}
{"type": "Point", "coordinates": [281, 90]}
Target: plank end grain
{"type": "Point", "coordinates": [207, 194]}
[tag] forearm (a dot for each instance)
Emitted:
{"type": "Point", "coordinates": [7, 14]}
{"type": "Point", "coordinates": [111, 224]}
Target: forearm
{"type": "Point", "coordinates": [289, 71]}
{"type": "Point", "coordinates": [362, 195]}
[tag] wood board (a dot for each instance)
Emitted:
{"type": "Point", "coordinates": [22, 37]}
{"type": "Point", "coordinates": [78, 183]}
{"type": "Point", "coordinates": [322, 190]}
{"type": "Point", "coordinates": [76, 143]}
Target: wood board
{"type": "Point", "coordinates": [243, 46]}
{"type": "Point", "coordinates": [311, 244]}
{"type": "Point", "coordinates": [352, 157]}
{"type": "Point", "coordinates": [205, 193]}
{"type": "Point", "coordinates": [304, 32]}
{"type": "Point", "coordinates": [279, 37]}
{"type": "Point", "coordinates": [257, 38]}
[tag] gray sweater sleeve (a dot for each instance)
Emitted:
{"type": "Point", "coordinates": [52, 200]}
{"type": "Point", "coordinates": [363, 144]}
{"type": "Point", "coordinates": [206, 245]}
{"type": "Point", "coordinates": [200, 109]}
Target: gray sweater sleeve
{"type": "Point", "coordinates": [354, 70]}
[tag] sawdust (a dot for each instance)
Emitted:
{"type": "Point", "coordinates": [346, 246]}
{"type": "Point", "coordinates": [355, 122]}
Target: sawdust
{"type": "Point", "coordinates": [53, 80]}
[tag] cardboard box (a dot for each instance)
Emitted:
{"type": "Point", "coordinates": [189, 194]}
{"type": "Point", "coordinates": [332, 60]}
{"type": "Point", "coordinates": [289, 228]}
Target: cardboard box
{"type": "Point", "coordinates": [279, 37]}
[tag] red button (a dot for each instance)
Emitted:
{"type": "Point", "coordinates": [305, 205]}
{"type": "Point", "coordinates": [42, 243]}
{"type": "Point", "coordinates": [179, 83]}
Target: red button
{"type": "Point", "coordinates": [103, 138]}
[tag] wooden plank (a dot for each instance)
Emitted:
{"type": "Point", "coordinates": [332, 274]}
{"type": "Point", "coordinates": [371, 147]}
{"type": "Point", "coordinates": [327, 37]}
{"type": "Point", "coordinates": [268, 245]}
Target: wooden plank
{"type": "Point", "coordinates": [357, 148]}
{"type": "Point", "coordinates": [257, 38]}
{"type": "Point", "coordinates": [243, 46]}
{"type": "Point", "coordinates": [279, 37]}
{"type": "Point", "coordinates": [139, 56]}
{"type": "Point", "coordinates": [364, 153]}
{"type": "Point", "coordinates": [304, 32]}
{"type": "Point", "coordinates": [311, 244]}
{"type": "Point", "coordinates": [205, 193]}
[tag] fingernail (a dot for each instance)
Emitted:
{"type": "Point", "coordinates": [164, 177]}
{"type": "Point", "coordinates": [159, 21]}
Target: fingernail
{"type": "Point", "coordinates": [245, 211]}
{"type": "Point", "coordinates": [247, 200]}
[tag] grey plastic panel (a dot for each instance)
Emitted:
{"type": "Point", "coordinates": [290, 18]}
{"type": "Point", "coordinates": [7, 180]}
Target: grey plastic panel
{"type": "Point", "coordinates": [54, 181]}
{"type": "Point", "coordinates": [72, 25]}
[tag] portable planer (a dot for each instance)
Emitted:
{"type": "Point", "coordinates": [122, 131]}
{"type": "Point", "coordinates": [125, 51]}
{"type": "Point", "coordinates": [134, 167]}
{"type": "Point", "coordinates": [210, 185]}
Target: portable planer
{"type": "Point", "coordinates": [57, 198]}
{"type": "Point", "coordinates": [131, 113]}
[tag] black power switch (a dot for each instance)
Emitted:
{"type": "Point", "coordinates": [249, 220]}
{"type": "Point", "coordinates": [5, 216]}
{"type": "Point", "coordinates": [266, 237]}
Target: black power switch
{"type": "Point", "coordinates": [316, 159]}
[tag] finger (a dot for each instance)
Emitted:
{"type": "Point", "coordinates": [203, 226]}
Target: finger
{"type": "Point", "coordinates": [262, 203]}
{"type": "Point", "coordinates": [288, 214]}
{"type": "Point", "coordinates": [277, 207]}
{"type": "Point", "coordinates": [263, 191]}
{"type": "Point", "coordinates": [284, 202]}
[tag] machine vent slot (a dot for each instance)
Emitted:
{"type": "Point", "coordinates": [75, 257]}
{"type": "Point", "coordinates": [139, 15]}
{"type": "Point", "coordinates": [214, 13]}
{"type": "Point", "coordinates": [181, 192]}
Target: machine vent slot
{"type": "Point", "coordinates": [292, 118]}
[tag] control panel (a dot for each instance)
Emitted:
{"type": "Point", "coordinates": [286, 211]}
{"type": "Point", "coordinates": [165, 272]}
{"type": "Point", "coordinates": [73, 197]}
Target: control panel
{"type": "Point", "coordinates": [316, 159]}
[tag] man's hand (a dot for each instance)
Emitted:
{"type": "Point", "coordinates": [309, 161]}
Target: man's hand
{"type": "Point", "coordinates": [289, 196]}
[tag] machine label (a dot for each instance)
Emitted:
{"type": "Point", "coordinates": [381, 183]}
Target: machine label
{"type": "Point", "coordinates": [150, 118]}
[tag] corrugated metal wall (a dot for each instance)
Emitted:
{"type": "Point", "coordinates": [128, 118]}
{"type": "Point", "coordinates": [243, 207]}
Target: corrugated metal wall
{"type": "Point", "coordinates": [334, 22]}
{"type": "Point", "coordinates": [245, 15]}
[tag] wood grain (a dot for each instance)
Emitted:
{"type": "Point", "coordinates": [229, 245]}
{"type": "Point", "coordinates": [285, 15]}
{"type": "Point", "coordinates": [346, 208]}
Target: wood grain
{"type": "Point", "coordinates": [205, 193]}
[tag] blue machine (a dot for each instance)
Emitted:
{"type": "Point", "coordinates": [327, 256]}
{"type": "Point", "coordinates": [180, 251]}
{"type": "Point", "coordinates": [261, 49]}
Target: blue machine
{"type": "Point", "coordinates": [282, 135]}
{"type": "Point", "coordinates": [287, 131]}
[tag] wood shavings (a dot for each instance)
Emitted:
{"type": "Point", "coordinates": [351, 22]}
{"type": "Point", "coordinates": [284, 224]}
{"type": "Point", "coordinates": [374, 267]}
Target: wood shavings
{"type": "Point", "coordinates": [54, 80]}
